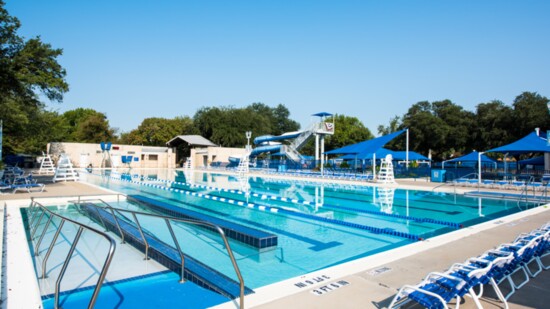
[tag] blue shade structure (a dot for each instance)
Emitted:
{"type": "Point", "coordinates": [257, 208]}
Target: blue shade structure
{"type": "Point", "coordinates": [366, 147]}
{"type": "Point", "coordinates": [530, 143]}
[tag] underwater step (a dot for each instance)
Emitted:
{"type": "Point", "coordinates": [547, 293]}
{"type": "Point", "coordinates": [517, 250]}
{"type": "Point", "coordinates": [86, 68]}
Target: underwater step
{"type": "Point", "coordinates": [159, 290]}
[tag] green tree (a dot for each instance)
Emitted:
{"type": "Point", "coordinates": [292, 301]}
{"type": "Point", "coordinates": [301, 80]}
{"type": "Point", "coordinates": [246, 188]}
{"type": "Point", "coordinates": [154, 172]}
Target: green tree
{"type": "Point", "coordinates": [86, 125]}
{"type": "Point", "coordinates": [347, 130]}
{"type": "Point", "coordinates": [492, 126]}
{"type": "Point", "coordinates": [530, 112]}
{"type": "Point", "coordinates": [28, 69]}
{"type": "Point", "coordinates": [393, 126]}
{"type": "Point", "coordinates": [226, 126]}
{"type": "Point", "coordinates": [158, 131]}
{"type": "Point", "coordinates": [426, 130]}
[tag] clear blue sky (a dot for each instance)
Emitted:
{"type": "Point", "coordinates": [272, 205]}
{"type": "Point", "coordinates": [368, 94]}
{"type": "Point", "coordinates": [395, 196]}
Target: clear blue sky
{"type": "Point", "coordinates": [134, 59]}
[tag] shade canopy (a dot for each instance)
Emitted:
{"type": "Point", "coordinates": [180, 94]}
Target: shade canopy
{"type": "Point", "coordinates": [366, 147]}
{"type": "Point", "coordinates": [322, 114]}
{"type": "Point", "coordinates": [533, 161]}
{"type": "Point", "coordinates": [472, 157]}
{"type": "Point", "coordinates": [382, 152]}
{"type": "Point", "coordinates": [528, 144]}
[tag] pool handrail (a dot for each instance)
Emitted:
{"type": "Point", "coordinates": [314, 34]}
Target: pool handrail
{"type": "Point", "coordinates": [34, 208]}
{"type": "Point", "coordinates": [167, 219]}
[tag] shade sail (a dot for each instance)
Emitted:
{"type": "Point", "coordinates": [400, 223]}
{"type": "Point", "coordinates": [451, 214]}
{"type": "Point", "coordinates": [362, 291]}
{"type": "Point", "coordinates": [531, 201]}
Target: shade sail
{"type": "Point", "coordinates": [472, 157]}
{"type": "Point", "coordinates": [533, 161]}
{"type": "Point", "coordinates": [366, 147]}
{"type": "Point", "coordinates": [528, 144]}
{"type": "Point", "coordinates": [382, 152]}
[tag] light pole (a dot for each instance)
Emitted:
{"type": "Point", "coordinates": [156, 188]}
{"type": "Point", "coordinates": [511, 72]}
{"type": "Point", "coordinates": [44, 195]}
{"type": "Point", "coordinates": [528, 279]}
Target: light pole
{"type": "Point", "coordinates": [248, 136]}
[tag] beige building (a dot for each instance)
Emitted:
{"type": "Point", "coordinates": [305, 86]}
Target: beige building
{"type": "Point", "coordinates": [202, 151]}
{"type": "Point", "coordinates": [84, 154]}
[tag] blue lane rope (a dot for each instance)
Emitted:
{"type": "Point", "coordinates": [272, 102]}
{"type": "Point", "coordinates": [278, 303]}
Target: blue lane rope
{"type": "Point", "coordinates": [375, 230]}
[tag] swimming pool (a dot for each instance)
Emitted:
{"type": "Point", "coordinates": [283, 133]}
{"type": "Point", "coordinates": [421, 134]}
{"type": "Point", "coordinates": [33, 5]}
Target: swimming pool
{"type": "Point", "coordinates": [317, 225]}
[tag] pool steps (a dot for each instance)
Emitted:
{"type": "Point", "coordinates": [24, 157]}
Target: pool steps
{"type": "Point", "coordinates": [250, 236]}
{"type": "Point", "coordinates": [168, 256]}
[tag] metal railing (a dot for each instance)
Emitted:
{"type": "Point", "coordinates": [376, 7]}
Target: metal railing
{"type": "Point", "coordinates": [35, 219]}
{"type": "Point", "coordinates": [167, 220]}
{"type": "Point", "coordinates": [455, 182]}
{"type": "Point", "coordinates": [526, 197]}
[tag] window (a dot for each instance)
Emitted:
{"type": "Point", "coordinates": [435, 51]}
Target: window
{"type": "Point", "coordinates": [153, 157]}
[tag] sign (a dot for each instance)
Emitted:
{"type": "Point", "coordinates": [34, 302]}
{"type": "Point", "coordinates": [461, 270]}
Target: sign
{"type": "Point", "coordinates": [329, 287]}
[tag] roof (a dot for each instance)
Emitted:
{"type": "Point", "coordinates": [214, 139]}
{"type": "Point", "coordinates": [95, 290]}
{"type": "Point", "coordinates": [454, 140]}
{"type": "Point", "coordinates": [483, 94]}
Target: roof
{"type": "Point", "coordinates": [472, 157]}
{"type": "Point", "coordinates": [191, 140]}
{"type": "Point", "coordinates": [366, 147]}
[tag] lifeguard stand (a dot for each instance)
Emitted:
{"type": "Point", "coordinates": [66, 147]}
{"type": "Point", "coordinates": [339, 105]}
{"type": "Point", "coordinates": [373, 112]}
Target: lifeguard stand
{"type": "Point", "coordinates": [127, 160]}
{"type": "Point", "coordinates": [65, 170]}
{"type": "Point", "coordinates": [46, 165]}
{"type": "Point", "coordinates": [386, 170]}
{"type": "Point", "coordinates": [106, 161]}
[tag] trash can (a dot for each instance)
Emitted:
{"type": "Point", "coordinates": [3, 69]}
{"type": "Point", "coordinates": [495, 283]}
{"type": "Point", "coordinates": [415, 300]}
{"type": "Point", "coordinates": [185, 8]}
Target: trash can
{"type": "Point", "coordinates": [438, 175]}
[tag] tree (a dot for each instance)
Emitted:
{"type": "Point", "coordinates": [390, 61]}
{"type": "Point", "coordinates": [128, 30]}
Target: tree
{"type": "Point", "coordinates": [347, 130]}
{"type": "Point", "coordinates": [493, 121]}
{"type": "Point", "coordinates": [395, 122]}
{"type": "Point", "coordinates": [426, 130]}
{"type": "Point", "coordinates": [158, 131]}
{"type": "Point", "coordinates": [28, 68]}
{"type": "Point", "coordinates": [530, 112]}
{"type": "Point", "coordinates": [226, 126]}
{"type": "Point", "coordinates": [86, 125]}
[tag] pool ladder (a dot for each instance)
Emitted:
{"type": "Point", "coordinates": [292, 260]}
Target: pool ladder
{"type": "Point", "coordinates": [167, 219]}
{"type": "Point", "coordinates": [37, 212]}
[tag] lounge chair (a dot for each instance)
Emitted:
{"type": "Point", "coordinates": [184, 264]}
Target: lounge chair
{"type": "Point", "coordinates": [29, 187]}
{"type": "Point", "coordinates": [431, 292]}
{"type": "Point", "coordinates": [517, 184]}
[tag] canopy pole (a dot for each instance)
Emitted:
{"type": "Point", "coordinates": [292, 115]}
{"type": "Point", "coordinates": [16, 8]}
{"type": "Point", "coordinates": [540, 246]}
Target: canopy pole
{"type": "Point", "coordinates": [407, 150]}
{"type": "Point", "coordinates": [479, 169]}
{"type": "Point", "coordinates": [373, 166]}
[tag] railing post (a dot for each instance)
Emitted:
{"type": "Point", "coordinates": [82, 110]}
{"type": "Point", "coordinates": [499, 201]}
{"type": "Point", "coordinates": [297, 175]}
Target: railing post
{"type": "Point", "coordinates": [142, 236]}
{"type": "Point", "coordinates": [182, 274]}
{"type": "Point", "coordinates": [50, 249]}
{"type": "Point", "coordinates": [117, 225]}
{"type": "Point", "coordinates": [37, 224]}
{"type": "Point", "coordinates": [37, 247]}
{"type": "Point", "coordinates": [65, 265]}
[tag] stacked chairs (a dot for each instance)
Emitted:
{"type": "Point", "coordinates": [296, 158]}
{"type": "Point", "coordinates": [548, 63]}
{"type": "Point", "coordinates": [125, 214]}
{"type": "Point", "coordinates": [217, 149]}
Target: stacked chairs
{"type": "Point", "coordinates": [494, 267]}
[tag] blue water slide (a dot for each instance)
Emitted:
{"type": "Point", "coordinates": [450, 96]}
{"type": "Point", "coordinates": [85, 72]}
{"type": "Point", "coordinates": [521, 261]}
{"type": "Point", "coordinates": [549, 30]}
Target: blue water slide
{"type": "Point", "coordinates": [268, 148]}
{"type": "Point", "coordinates": [271, 138]}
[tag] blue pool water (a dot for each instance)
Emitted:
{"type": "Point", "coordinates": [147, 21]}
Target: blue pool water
{"type": "Point", "coordinates": [161, 290]}
{"type": "Point", "coordinates": [318, 225]}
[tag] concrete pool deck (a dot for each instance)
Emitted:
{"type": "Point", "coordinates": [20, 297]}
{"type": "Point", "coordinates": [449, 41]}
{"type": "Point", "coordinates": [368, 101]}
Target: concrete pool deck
{"type": "Point", "coordinates": [373, 281]}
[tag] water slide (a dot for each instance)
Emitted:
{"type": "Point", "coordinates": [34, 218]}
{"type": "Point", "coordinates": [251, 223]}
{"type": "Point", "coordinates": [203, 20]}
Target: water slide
{"type": "Point", "coordinates": [271, 144]}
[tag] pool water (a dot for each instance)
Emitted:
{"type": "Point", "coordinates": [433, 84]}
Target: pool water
{"type": "Point", "coordinates": [318, 225]}
{"type": "Point", "coordinates": [160, 290]}
{"type": "Point", "coordinates": [305, 244]}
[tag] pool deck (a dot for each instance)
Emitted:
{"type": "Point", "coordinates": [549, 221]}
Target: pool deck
{"type": "Point", "coordinates": [373, 281]}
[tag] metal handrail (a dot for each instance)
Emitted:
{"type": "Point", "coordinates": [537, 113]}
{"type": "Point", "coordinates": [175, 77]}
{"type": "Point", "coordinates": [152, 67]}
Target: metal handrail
{"type": "Point", "coordinates": [167, 219]}
{"type": "Point", "coordinates": [35, 207]}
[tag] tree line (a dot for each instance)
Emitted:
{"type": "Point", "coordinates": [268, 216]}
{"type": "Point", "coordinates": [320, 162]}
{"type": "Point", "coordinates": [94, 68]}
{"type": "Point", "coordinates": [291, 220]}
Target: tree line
{"type": "Point", "coordinates": [446, 129]}
{"type": "Point", "coordinates": [29, 71]}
